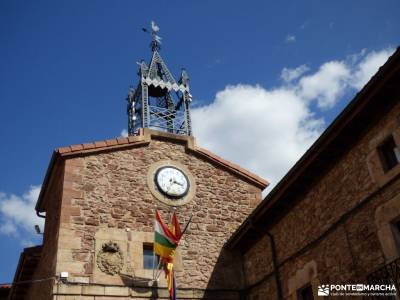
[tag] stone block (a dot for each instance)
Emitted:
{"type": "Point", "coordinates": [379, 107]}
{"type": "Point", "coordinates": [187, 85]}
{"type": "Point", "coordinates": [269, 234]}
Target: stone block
{"type": "Point", "coordinates": [114, 234]}
{"type": "Point", "coordinates": [71, 176]}
{"type": "Point", "coordinates": [80, 279]}
{"type": "Point", "coordinates": [93, 290]}
{"type": "Point", "coordinates": [77, 162]}
{"type": "Point", "coordinates": [140, 292]}
{"type": "Point", "coordinates": [69, 289]}
{"type": "Point", "coordinates": [116, 291]}
{"type": "Point", "coordinates": [112, 298]}
{"type": "Point", "coordinates": [70, 193]}
{"type": "Point", "coordinates": [72, 267]}
{"type": "Point", "coordinates": [163, 293]}
{"type": "Point", "coordinates": [69, 242]}
{"type": "Point", "coordinates": [198, 294]}
{"type": "Point", "coordinates": [64, 255]}
{"type": "Point", "coordinates": [74, 211]}
{"type": "Point", "coordinates": [184, 293]}
{"type": "Point", "coordinates": [73, 297]}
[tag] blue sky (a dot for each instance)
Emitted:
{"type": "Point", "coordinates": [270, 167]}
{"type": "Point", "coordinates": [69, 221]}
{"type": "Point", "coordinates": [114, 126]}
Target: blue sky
{"type": "Point", "coordinates": [65, 68]}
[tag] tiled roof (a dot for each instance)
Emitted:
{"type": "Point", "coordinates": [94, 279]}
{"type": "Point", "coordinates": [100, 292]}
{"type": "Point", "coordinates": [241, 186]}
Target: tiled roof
{"type": "Point", "coordinates": [98, 145]}
{"type": "Point", "coordinates": [5, 286]}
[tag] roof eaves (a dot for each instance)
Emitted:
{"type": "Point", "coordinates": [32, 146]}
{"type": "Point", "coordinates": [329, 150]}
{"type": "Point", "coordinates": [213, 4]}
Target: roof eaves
{"type": "Point", "coordinates": [255, 179]}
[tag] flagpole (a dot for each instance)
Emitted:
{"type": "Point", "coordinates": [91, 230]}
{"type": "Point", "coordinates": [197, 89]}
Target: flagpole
{"type": "Point", "coordinates": [159, 271]}
{"type": "Point", "coordinates": [154, 242]}
{"type": "Point", "coordinates": [187, 225]}
{"type": "Point", "coordinates": [154, 258]}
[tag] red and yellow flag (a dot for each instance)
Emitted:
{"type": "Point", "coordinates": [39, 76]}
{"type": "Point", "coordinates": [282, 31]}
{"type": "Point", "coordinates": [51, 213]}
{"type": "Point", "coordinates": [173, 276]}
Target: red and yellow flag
{"type": "Point", "coordinates": [166, 239]}
{"type": "Point", "coordinates": [165, 242]}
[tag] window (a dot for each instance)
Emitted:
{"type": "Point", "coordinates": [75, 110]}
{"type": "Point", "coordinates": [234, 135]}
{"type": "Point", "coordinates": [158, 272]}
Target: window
{"type": "Point", "coordinates": [148, 257]}
{"type": "Point", "coordinates": [396, 233]}
{"type": "Point", "coordinates": [397, 224]}
{"type": "Point", "coordinates": [306, 293]}
{"type": "Point", "coordinates": [389, 154]}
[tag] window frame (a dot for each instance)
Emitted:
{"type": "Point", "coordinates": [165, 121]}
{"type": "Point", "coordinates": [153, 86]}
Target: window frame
{"type": "Point", "coordinates": [395, 226]}
{"type": "Point", "coordinates": [300, 291]}
{"type": "Point", "coordinates": [149, 247]}
{"type": "Point", "coordinates": [388, 153]}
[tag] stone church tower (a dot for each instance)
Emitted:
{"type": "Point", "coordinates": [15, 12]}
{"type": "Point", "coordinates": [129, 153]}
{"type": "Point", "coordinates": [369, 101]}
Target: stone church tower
{"type": "Point", "coordinates": [99, 202]}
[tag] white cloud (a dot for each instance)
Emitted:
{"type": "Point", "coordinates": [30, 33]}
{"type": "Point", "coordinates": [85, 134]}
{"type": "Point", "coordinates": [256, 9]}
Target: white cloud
{"type": "Point", "coordinates": [326, 85]}
{"type": "Point", "coordinates": [367, 67]}
{"type": "Point", "coordinates": [267, 130]}
{"type": "Point", "coordinates": [27, 243]}
{"type": "Point", "coordinates": [288, 75]}
{"type": "Point", "coordinates": [8, 228]}
{"type": "Point", "coordinates": [124, 133]}
{"type": "Point", "coordinates": [290, 38]}
{"type": "Point", "coordinates": [262, 130]}
{"type": "Point", "coordinates": [18, 216]}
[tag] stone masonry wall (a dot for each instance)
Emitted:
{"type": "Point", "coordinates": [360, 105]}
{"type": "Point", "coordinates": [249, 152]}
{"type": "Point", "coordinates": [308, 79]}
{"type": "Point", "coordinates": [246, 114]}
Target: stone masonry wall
{"type": "Point", "coordinates": [47, 265]}
{"type": "Point", "coordinates": [349, 252]}
{"type": "Point", "coordinates": [109, 190]}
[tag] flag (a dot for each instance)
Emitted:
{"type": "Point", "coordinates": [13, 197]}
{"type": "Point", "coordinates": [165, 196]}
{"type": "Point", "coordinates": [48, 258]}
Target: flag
{"type": "Point", "coordinates": [175, 227]}
{"type": "Point", "coordinates": [165, 242]}
{"type": "Point", "coordinates": [165, 239]}
{"type": "Point", "coordinates": [176, 230]}
{"type": "Point", "coordinates": [170, 275]}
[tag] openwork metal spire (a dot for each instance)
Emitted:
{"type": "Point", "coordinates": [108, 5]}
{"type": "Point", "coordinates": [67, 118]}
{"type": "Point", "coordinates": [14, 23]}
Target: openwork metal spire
{"type": "Point", "coordinates": [159, 102]}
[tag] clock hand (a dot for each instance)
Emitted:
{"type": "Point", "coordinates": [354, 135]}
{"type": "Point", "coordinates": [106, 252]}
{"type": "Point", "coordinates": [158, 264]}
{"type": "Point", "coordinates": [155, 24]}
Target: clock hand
{"type": "Point", "coordinates": [177, 182]}
{"type": "Point", "coordinates": [171, 184]}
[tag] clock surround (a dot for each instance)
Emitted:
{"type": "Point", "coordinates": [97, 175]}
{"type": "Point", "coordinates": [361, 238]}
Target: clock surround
{"type": "Point", "coordinates": [157, 190]}
{"type": "Point", "coordinates": [172, 182]}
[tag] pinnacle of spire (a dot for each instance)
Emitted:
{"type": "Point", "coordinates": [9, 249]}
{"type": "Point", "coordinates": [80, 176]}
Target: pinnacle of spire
{"type": "Point", "coordinates": [143, 68]}
{"type": "Point", "coordinates": [158, 70]}
{"type": "Point", "coordinates": [184, 79]}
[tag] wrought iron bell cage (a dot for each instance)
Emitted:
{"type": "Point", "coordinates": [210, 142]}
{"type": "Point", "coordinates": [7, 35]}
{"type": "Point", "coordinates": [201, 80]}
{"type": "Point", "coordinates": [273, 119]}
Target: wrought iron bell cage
{"type": "Point", "coordinates": [159, 102]}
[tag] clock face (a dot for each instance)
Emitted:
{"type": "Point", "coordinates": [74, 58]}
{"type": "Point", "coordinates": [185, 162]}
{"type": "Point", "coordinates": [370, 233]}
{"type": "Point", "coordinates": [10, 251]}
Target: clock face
{"type": "Point", "coordinates": [172, 182]}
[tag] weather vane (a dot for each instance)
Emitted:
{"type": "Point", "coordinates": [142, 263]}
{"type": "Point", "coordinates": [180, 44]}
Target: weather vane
{"type": "Point", "coordinates": [156, 42]}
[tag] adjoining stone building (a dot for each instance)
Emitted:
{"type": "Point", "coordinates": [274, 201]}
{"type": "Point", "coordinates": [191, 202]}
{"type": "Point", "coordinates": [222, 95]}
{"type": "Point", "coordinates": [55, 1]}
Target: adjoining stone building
{"type": "Point", "coordinates": [333, 219]}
